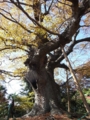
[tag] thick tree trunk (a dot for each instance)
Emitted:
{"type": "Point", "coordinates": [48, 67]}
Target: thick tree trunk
{"type": "Point", "coordinates": [41, 78]}
{"type": "Point", "coordinates": [47, 94]}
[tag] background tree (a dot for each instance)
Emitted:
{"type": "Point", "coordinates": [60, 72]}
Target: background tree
{"type": "Point", "coordinates": [23, 102]}
{"type": "Point", "coordinates": [3, 101]}
{"type": "Point", "coordinates": [41, 28]}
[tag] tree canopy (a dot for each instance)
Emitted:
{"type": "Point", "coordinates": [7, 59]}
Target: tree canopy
{"type": "Point", "coordinates": [32, 35]}
{"type": "Point", "coordinates": [43, 24]}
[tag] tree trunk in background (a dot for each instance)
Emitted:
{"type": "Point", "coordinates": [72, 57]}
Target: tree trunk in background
{"type": "Point", "coordinates": [68, 92]}
{"type": "Point", "coordinates": [76, 81]}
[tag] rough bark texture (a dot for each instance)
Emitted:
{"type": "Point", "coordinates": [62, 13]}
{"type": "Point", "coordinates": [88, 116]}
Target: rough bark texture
{"type": "Point", "coordinates": [47, 93]}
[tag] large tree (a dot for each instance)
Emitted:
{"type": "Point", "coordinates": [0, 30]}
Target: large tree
{"type": "Point", "coordinates": [42, 28]}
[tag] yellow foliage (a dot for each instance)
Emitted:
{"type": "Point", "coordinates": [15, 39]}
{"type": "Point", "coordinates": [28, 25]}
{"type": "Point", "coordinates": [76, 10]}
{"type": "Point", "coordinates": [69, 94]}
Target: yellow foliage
{"type": "Point", "coordinates": [24, 103]}
{"type": "Point", "coordinates": [41, 32]}
{"type": "Point", "coordinates": [14, 37]}
{"type": "Point", "coordinates": [31, 94]}
{"type": "Point", "coordinates": [20, 71]}
{"type": "Point", "coordinates": [2, 77]}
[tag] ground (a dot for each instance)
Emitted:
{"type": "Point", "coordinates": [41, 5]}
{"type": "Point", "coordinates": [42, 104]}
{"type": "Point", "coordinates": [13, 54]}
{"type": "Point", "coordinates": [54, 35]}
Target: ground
{"type": "Point", "coordinates": [48, 117]}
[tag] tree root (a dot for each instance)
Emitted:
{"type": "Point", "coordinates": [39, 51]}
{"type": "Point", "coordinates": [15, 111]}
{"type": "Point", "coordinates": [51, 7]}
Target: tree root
{"type": "Point", "coordinates": [37, 112]}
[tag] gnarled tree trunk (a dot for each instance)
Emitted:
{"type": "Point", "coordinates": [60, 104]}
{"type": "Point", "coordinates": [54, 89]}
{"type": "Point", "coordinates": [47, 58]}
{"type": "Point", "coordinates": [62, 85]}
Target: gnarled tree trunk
{"type": "Point", "coordinates": [47, 92]}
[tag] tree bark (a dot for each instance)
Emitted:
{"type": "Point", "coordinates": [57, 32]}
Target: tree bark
{"type": "Point", "coordinates": [47, 92]}
{"type": "Point", "coordinates": [68, 92]}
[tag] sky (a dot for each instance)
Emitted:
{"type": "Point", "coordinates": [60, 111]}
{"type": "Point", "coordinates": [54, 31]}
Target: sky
{"type": "Point", "coordinates": [12, 84]}
{"type": "Point", "coordinates": [13, 87]}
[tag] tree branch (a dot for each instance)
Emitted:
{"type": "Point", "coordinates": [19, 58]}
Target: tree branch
{"type": "Point", "coordinates": [50, 6]}
{"type": "Point", "coordinates": [9, 73]}
{"type": "Point", "coordinates": [64, 3]}
{"type": "Point", "coordinates": [70, 49]}
{"type": "Point", "coordinates": [13, 20]}
{"type": "Point", "coordinates": [33, 20]}
{"type": "Point", "coordinates": [13, 47]}
{"type": "Point", "coordinates": [62, 66]}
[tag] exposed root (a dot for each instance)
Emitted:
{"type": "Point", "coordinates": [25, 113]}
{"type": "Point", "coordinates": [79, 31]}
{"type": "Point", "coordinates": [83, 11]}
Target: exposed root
{"type": "Point", "coordinates": [55, 112]}
{"type": "Point", "coordinates": [38, 112]}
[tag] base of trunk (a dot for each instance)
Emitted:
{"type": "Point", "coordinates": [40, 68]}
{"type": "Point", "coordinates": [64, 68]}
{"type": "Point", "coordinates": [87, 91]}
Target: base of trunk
{"type": "Point", "coordinates": [36, 111]}
{"type": "Point", "coordinates": [47, 95]}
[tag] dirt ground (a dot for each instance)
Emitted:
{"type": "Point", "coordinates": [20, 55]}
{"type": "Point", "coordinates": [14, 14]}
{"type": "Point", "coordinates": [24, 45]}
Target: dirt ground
{"type": "Point", "coordinates": [45, 117]}
{"type": "Point", "coordinates": [49, 117]}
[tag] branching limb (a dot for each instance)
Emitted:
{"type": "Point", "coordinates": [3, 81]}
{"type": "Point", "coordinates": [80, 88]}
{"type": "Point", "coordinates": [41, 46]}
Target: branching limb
{"type": "Point", "coordinates": [13, 47]}
{"type": "Point", "coordinates": [62, 66]}
{"type": "Point", "coordinates": [33, 20]}
{"type": "Point", "coordinates": [54, 56]}
{"type": "Point", "coordinates": [73, 23]}
{"type": "Point", "coordinates": [50, 6]}
{"type": "Point", "coordinates": [12, 19]}
{"type": "Point", "coordinates": [64, 3]}
{"type": "Point", "coordinates": [70, 49]}
{"type": "Point", "coordinates": [10, 73]}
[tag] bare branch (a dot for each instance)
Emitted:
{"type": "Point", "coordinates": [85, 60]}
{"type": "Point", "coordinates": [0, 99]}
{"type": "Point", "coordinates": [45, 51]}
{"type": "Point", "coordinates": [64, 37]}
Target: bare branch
{"type": "Point", "coordinates": [64, 3]}
{"type": "Point", "coordinates": [70, 49]}
{"type": "Point", "coordinates": [83, 40]}
{"type": "Point", "coordinates": [62, 66]}
{"type": "Point", "coordinates": [22, 3]}
{"type": "Point", "coordinates": [50, 6]}
{"type": "Point", "coordinates": [10, 73]}
{"type": "Point", "coordinates": [84, 25]}
{"type": "Point", "coordinates": [13, 47]}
